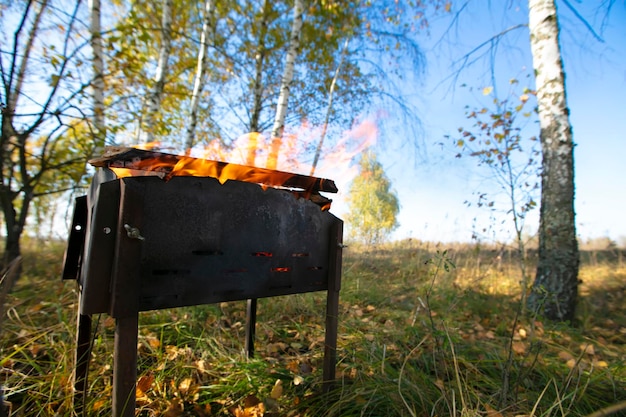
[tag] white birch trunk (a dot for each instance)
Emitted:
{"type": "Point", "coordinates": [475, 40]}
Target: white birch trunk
{"type": "Point", "coordinates": [98, 73]}
{"type": "Point", "coordinates": [556, 282]}
{"type": "Point", "coordinates": [153, 104]}
{"type": "Point", "coordinates": [13, 96]}
{"type": "Point", "coordinates": [329, 107]}
{"type": "Point", "coordinates": [257, 95]}
{"type": "Point", "coordinates": [283, 98]}
{"type": "Point", "coordinates": [198, 84]}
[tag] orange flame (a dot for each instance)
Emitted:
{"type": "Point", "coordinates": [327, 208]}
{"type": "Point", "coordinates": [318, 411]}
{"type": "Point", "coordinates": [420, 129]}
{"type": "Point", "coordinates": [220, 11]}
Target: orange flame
{"type": "Point", "coordinates": [195, 167]}
{"type": "Point", "coordinates": [286, 153]}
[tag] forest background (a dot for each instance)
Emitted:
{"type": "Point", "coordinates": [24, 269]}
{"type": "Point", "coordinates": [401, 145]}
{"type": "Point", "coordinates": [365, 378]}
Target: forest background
{"type": "Point", "coordinates": [457, 52]}
{"type": "Point", "coordinates": [424, 329]}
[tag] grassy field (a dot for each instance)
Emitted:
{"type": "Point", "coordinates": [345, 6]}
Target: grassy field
{"type": "Point", "coordinates": [425, 330]}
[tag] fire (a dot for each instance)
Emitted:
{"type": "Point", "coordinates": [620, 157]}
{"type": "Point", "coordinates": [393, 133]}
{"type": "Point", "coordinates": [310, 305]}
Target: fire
{"type": "Point", "coordinates": [250, 150]}
{"type": "Point", "coordinates": [137, 162]}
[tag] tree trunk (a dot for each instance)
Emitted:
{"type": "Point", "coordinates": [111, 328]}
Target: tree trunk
{"type": "Point", "coordinates": [14, 225]}
{"type": "Point", "coordinates": [283, 98]}
{"type": "Point", "coordinates": [10, 139]}
{"type": "Point", "coordinates": [556, 284]}
{"type": "Point", "coordinates": [329, 108]}
{"type": "Point", "coordinates": [154, 98]}
{"type": "Point", "coordinates": [257, 98]}
{"type": "Point", "coordinates": [199, 80]}
{"type": "Point", "coordinates": [98, 73]}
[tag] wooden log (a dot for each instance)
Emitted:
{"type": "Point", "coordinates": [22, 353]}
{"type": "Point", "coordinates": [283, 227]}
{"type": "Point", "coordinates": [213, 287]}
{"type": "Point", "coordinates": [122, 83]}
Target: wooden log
{"type": "Point", "coordinates": [179, 165]}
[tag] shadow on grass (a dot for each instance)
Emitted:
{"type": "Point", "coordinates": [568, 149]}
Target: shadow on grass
{"type": "Point", "coordinates": [415, 339]}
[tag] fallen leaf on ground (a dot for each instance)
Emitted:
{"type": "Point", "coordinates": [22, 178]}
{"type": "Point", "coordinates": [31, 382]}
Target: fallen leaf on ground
{"type": "Point", "coordinates": [519, 348]}
{"type": "Point", "coordinates": [492, 412]}
{"type": "Point", "coordinates": [144, 383]}
{"type": "Point", "coordinates": [184, 385]}
{"type": "Point", "coordinates": [277, 390]}
{"type": "Point", "coordinates": [174, 409]}
{"type": "Point", "coordinates": [588, 349]}
{"type": "Point", "coordinates": [253, 407]}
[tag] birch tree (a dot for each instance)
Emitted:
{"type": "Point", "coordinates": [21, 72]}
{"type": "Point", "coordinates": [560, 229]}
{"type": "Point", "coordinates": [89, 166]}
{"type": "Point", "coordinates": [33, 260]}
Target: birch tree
{"type": "Point", "coordinates": [556, 282]}
{"type": "Point", "coordinates": [43, 86]}
{"type": "Point", "coordinates": [329, 108]}
{"type": "Point", "coordinates": [258, 86]}
{"type": "Point", "coordinates": [283, 98]}
{"type": "Point", "coordinates": [153, 102]}
{"type": "Point", "coordinates": [98, 72]}
{"type": "Point", "coordinates": [374, 206]}
{"type": "Point", "coordinates": [200, 74]}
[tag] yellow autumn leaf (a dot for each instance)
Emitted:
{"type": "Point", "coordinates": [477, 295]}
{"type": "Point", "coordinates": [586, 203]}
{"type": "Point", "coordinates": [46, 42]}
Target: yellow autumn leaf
{"type": "Point", "coordinates": [277, 390]}
{"type": "Point", "coordinates": [519, 348]}
{"type": "Point", "coordinates": [153, 341]}
{"type": "Point", "coordinates": [144, 383]}
{"type": "Point", "coordinates": [184, 385]}
{"type": "Point", "coordinates": [253, 407]}
{"type": "Point", "coordinates": [601, 364]}
{"type": "Point", "coordinates": [440, 384]}
{"type": "Point", "coordinates": [487, 91]}
{"type": "Point", "coordinates": [588, 349]}
{"type": "Point", "coordinates": [492, 412]}
{"type": "Point", "coordinates": [98, 404]}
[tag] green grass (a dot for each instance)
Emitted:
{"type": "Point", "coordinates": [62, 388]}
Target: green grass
{"type": "Point", "coordinates": [418, 337]}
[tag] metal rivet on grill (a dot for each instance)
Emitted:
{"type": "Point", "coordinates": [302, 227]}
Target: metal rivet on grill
{"type": "Point", "coordinates": [133, 232]}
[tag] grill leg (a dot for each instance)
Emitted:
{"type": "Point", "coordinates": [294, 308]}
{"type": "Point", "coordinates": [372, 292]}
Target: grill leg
{"type": "Point", "coordinates": [251, 326]}
{"type": "Point", "coordinates": [125, 366]}
{"type": "Point", "coordinates": [330, 344]}
{"type": "Point", "coordinates": [83, 354]}
{"type": "Point", "coordinates": [332, 308]}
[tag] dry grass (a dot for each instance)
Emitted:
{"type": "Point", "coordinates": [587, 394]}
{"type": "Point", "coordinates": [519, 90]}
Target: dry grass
{"type": "Point", "coordinates": [418, 337]}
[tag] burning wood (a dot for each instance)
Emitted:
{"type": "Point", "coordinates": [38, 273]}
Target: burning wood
{"type": "Point", "coordinates": [122, 160]}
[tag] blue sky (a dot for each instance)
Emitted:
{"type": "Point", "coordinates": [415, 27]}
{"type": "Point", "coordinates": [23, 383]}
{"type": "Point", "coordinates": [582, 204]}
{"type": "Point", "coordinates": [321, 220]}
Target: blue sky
{"type": "Point", "coordinates": [434, 185]}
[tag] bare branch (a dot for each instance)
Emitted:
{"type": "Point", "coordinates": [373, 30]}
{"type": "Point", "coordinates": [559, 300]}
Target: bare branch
{"type": "Point", "coordinates": [583, 20]}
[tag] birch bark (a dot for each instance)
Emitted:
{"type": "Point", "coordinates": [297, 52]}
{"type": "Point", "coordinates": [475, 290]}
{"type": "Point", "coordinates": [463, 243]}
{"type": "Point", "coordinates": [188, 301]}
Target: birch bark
{"type": "Point", "coordinates": [556, 283]}
{"type": "Point", "coordinates": [329, 107]}
{"type": "Point", "coordinates": [98, 73]}
{"type": "Point", "coordinates": [154, 97]}
{"type": "Point", "coordinates": [198, 84]}
{"type": "Point", "coordinates": [283, 98]}
{"type": "Point", "coordinates": [257, 90]}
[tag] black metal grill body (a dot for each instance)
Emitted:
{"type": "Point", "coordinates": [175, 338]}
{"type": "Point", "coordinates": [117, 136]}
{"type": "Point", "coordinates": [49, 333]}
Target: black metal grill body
{"type": "Point", "coordinates": [195, 241]}
{"type": "Point", "coordinates": [141, 243]}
